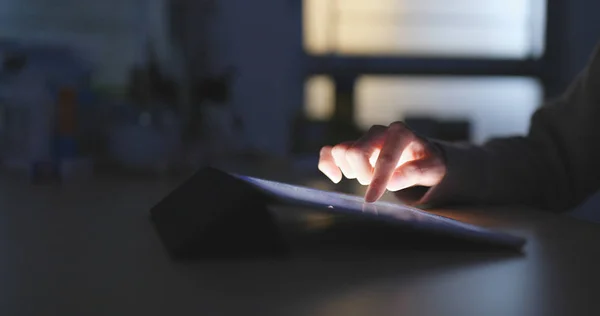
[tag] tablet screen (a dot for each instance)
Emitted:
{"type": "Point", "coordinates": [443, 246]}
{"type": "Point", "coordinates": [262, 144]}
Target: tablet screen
{"type": "Point", "coordinates": [402, 214]}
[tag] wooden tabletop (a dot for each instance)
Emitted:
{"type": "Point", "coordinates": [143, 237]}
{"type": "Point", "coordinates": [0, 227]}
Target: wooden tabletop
{"type": "Point", "coordinates": [90, 249]}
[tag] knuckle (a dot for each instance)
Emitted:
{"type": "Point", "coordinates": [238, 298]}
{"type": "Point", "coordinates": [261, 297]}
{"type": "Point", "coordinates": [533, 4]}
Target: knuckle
{"type": "Point", "coordinates": [398, 125]}
{"type": "Point", "coordinates": [401, 128]}
{"type": "Point", "coordinates": [354, 153]}
{"type": "Point", "coordinates": [376, 128]}
{"type": "Point", "coordinates": [377, 183]}
{"type": "Point", "coordinates": [338, 150]}
{"type": "Point", "coordinates": [324, 150]}
{"type": "Point", "coordinates": [386, 157]}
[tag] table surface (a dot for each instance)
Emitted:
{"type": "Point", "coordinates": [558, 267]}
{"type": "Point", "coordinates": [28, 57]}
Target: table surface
{"type": "Point", "coordinates": [90, 249]}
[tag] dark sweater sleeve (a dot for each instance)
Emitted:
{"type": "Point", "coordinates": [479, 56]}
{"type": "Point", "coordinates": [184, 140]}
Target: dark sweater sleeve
{"type": "Point", "coordinates": [555, 166]}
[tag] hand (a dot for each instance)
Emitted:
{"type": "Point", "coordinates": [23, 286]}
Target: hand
{"type": "Point", "coordinates": [392, 158]}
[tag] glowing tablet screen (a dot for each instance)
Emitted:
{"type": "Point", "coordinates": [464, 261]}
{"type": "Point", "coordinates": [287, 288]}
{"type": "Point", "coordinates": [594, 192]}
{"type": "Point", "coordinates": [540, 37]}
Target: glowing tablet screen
{"type": "Point", "coordinates": [339, 203]}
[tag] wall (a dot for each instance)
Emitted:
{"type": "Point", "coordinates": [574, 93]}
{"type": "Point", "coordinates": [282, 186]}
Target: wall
{"type": "Point", "coordinates": [573, 33]}
{"type": "Point", "coordinates": [582, 34]}
{"type": "Point", "coordinates": [262, 39]}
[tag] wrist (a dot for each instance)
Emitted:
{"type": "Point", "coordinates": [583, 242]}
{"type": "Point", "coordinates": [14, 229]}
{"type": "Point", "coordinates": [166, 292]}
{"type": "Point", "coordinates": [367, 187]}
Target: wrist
{"type": "Point", "coordinates": [464, 180]}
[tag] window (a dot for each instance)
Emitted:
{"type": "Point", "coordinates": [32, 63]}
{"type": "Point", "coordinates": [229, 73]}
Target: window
{"type": "Point", "coordinates": [512, 29]}
{"type": "Point", "coordinates": [319, 94]}
{"type": "Point", "coordinates": [495, 106]}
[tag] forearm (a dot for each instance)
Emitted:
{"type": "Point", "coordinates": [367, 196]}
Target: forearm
{"type": "Point", "coordinates": [504, 171]}
{"type": "Point", "coordinates": [554, 167]}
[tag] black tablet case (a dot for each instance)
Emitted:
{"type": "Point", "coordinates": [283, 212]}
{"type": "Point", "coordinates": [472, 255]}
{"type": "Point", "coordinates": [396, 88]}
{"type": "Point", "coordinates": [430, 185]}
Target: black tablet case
{"type": "Point", "coordinates": [218, 214]}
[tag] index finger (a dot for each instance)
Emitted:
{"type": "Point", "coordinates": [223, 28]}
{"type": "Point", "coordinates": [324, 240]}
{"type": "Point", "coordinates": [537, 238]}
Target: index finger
{"type": "Point", "coordinates": [398, 137]}
{"type": "Point", "coordinates": [359, 154]}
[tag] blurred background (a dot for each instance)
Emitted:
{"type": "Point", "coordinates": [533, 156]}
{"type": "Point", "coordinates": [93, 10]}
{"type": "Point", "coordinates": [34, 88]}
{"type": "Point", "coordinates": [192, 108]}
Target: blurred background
{"type": "Point", "coordinates": [166, 86]}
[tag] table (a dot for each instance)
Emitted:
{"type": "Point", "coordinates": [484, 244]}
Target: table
{"type": "Point", "coordinates": [90, 249]}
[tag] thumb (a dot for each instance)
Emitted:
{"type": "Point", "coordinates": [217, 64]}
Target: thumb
{"type": "Point", "coordinates": [428, 171]}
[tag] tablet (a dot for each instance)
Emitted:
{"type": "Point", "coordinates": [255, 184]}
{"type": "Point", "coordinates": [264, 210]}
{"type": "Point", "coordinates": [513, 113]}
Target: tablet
{"type": "Point", "coordinates": [395, 213]}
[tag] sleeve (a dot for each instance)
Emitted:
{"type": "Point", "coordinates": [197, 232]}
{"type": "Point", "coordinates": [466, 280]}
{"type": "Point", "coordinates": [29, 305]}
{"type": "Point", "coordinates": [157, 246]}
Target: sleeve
{"type": "Point", "coordinates": [555, 166]}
